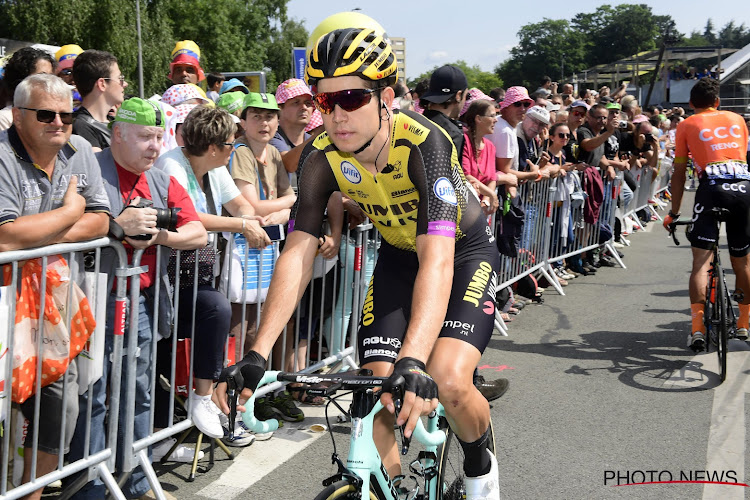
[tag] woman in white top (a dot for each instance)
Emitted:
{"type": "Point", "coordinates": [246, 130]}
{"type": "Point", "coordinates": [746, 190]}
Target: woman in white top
{"type": "Point", "coordinates": [199, 167]}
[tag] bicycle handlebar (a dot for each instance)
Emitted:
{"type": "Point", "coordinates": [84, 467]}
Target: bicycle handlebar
{"type": "Point", "coordinates": [345, 381]}
{"type": "Point", "coordinates": [673, 228]}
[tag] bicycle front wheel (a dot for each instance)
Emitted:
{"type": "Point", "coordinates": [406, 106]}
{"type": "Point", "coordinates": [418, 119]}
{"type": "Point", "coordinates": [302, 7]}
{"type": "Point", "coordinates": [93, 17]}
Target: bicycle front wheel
{"type": "Point", "coordinates": [722, 329]}
{"type": "Point", "coordinates": [450, 479]}
{"type": "Point", "coordinates": [344, 490]}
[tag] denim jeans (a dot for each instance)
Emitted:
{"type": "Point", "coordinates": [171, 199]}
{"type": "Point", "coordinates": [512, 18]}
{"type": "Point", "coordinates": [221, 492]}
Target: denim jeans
{"type": "Point", "coordinates": [136, 484]}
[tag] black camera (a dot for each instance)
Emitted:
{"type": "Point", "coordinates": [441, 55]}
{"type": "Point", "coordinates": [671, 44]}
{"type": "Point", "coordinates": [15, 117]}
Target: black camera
{"type": "Point", "coordinates": [166, 218]}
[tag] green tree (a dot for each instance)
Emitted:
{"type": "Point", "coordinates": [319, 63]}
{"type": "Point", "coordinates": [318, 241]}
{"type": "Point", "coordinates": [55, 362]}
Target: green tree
{"type": "Point", "coordinates": [708, 32]}
{"type": "Point", "coordinates": [548, 48]}
{"type": "Point", "coordinates": [475, 76]}
{"type": "Point", "coordinates": [292, 33]}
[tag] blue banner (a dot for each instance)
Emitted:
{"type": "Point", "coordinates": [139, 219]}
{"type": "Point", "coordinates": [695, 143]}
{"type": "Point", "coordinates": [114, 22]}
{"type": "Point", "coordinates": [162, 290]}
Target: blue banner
{"type": "Point", "coordinates": [298, 56]}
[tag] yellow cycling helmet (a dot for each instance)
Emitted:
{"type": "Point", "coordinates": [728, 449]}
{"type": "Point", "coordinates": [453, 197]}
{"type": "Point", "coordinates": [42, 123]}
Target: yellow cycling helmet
{"type": "Point", "coordinates": [352, 52]}
{"type": "Point", "coordinates": [340, 21]}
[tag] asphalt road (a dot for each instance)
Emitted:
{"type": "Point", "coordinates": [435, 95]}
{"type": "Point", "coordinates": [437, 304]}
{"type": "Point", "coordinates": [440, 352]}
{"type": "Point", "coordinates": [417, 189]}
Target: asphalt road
{"type": "Point", "coordinates": [603, 391]}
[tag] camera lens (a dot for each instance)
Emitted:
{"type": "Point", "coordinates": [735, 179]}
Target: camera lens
{"type": "Point", "coordinates": [166, 218]}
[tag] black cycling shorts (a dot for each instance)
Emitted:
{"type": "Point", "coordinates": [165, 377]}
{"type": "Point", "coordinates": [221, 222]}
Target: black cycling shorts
{"type": "Point", "coordinates": [731, 195]}
{"type": "Point", "coordinates": [387, 306]}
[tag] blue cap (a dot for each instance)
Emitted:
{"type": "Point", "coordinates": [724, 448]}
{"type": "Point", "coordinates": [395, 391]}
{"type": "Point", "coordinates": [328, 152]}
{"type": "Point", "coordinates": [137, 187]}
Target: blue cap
{"type": "Point", "coordinates": [233, 84]}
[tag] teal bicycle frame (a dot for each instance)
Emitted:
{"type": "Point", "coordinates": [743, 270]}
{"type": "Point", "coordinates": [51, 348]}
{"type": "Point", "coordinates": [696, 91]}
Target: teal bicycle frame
{"type": "Point", "coordinates": [364, 461]}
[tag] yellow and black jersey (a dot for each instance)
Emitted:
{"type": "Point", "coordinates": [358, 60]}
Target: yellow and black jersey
{"type": "Point", "coordinates": [422, 190]}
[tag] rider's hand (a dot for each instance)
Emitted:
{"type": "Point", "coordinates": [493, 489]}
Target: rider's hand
{"type": "Point", "coordinates": [669, 219]}
{"type": "Point", "coordinates": [247, 373]}
{"type": "Point", "coordinates": [420, 393]}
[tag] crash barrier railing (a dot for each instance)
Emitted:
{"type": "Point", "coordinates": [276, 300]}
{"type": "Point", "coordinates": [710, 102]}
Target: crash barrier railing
{"type": "Point", "coordinates": [554, 229]}
{"type": "Point", "coordinates": [53, 308]}
{"type": "Point", "coordinates": [651, 182]}
{"type": "Point", "coordinates": [338, 288]}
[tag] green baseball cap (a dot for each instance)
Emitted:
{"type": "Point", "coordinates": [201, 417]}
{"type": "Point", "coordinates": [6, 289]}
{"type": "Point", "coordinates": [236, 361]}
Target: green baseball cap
{"type": "Point", "coordinates": [140, 112]}
{"type": "Point", "coordinates": [231, 101]}
{"type": "Point", "coordinates": [614, 105]}
{"type": "Point", "coordinates": [260, 100]}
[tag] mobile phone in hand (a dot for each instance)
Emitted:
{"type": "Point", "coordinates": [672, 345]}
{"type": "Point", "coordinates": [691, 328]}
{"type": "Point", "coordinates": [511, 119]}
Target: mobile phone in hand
{"type": "Point", "coordinates": [275, 232]}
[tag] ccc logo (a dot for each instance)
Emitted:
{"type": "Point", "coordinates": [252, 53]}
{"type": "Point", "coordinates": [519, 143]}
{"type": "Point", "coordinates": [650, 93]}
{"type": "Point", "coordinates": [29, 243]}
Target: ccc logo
{"type": "Point", "coordinates": [734, 187]}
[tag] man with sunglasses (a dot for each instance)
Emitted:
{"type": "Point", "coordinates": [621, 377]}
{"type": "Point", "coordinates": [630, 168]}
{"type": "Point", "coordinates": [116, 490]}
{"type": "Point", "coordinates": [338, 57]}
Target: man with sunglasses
{"type": "Point", "coordinates": [102, 87]}
{"type": "Point", "coordinates": [592, 136]}
{"type": "Point", "coordinates": [507, 154]}
{"type": "Point", "coordinates": [50, 192]}
{"type": "Point", "coordinates": [430, 303]}
{"type": "Point", "coordinates": [444, 100]}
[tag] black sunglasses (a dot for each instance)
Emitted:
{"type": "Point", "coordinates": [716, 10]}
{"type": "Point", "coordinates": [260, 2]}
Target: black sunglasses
{"type": "Point", "coordinates": [525, 104]}
{"type": "Point", "coordinates": [66, 72]}
{"type": "Point", "coordinates": [48, 116]}
{"type": "Point", "coordinates": [562, 135]}
{"type": "Point", "coordinates": [348, 100]}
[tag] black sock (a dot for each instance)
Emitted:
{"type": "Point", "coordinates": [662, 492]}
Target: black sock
{"type": "Point", "coordinates": [477, 460]}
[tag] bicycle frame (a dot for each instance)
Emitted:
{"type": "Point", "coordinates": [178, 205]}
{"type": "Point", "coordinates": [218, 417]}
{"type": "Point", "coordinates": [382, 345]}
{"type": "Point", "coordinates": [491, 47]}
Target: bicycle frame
{"type": "Point", "coordinates": [363, 464]}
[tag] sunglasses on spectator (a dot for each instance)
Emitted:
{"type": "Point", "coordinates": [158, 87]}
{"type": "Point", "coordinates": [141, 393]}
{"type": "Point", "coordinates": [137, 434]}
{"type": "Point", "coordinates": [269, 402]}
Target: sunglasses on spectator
{"type": "Point", "coordinates": [121, 78]}
{"type": "Point", "coordinates": [493, 115]}
{"type": "Point", "coordinates": [48, 116]}
{"type": "Point", "coordinates": [579, 113]}
{"type": "Point", "coordinates": [525, 104]}
{"type": "Point", "coordinates": [563, 135]}
{"type": "Point", "coordinates": [66, 72]}
{"type": "Point", "coordinates": [348, 100]}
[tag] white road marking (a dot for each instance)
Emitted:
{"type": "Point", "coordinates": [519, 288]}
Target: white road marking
{"type": "Point", "coordinates": [726, 439]}
{"type": "Point", "coordinates": [262, 457]}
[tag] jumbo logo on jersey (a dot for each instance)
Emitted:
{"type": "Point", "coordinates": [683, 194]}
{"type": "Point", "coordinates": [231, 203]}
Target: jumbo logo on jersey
{"type": "Point", "coordinates": [350, 172]}
{"type": "Point", "coordinates": [444, 190]}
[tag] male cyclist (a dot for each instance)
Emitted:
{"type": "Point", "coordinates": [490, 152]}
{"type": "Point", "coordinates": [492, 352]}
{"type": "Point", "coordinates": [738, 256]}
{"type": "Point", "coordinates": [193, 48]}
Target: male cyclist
{"type": "Point", "coordinates": [430, 304]}
{"type": "Point", "coordinates": [717, 141]}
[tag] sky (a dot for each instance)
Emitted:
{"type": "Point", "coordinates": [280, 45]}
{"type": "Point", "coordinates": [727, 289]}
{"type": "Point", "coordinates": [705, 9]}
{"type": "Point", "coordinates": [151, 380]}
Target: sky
{"type": "Point", "coordinates": [484, 31]}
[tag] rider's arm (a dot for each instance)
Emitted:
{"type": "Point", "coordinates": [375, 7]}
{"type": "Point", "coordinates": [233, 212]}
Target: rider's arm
{"type": "Point", "coordinates": [677, 182]}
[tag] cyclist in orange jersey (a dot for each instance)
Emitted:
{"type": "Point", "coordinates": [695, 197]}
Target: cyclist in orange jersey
{"type": "Point", "coordinates": [717, 142]}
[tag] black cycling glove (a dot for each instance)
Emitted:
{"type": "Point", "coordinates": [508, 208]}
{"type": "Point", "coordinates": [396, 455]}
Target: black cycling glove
{"type": "Point", "coordinates": [247, 372]}
{"type": "Point", "coordinates": [415, 379]}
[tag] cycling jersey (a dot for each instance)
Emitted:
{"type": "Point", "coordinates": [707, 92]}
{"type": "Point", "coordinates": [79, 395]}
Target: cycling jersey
{"type": "Point", "coordinates": [422, 190]}
{"type": "Point", "coordinates": [717, 141]}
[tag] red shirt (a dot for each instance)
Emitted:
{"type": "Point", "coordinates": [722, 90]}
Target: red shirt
{"type": "Point", "coordinates": [482, 169]}
{"type": "Point", "coordinates": [177, 197]}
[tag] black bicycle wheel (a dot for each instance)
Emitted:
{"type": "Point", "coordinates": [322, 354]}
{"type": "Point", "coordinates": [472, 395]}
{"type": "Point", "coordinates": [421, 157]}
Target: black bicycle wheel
{"type": "Point", "coordinates": [722, 329]}
{"type": "Point", "coordinates": [344, 490]}
{"type": "Point", "coordinates": [450, 479]}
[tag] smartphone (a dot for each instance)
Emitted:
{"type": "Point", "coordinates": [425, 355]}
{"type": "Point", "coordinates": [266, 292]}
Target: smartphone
{"type": "Point", "coordinates": [275, 232]}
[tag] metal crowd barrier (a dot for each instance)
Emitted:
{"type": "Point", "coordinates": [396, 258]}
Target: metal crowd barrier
{"type": "Point", "coordinates": [100, 464]}
{"type": "Point", "coordinates": [346, 289]}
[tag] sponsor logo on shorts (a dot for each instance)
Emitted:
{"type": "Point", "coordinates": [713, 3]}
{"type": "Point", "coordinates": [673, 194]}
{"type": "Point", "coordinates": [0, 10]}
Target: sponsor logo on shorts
{"type": "Point", "coordinates": [465, 328]}
{"type": "Point", "coordinates": [380, 352]}
{"type": "Point", "coordinates": [489, 307]}
{"type": "Point", "coordinates": [734, 187]}
{"type": "Point", "coordinates": [391, 341]}
{"type": "Point", "coordinates": [444, 190]}
{"type": "Point", "coordinates": [350, 172]}
{"type": "Point", "coordinates": [478, 284]}
{"type": "Point", "coordinates": [367, 316]}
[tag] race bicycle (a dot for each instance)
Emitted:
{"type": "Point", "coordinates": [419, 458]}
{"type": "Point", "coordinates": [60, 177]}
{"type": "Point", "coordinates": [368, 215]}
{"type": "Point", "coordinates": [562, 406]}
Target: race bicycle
{"type": "Point", "coordinates": [719, 317]}
{"type": "Point", "coordinates": [436, 473]}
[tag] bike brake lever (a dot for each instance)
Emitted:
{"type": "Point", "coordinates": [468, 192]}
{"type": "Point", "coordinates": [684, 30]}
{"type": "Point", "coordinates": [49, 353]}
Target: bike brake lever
{"type": "Point", "coordinates": [232, 396]}
{"type": "Point", "coordinates": [405, 441]}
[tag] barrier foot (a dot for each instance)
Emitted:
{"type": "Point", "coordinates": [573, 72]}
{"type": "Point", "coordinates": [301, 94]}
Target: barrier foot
{"type": "Point", "coordinates": [221, 445]}
{"type": "Point", "coordinates": [148, 469]}
{"type": "Point", "coordinates": [109, 482]}
{"type": "Point", "coordinates": [500, 324]}
{"type": "Point", "coordinates": [193, 468]}
{"type": "Point", "coordinates": [613, 252]}
{"type": "Point", "coordinates": [552, 278]}
{"type": "Point", "coordinates": [653, 210]}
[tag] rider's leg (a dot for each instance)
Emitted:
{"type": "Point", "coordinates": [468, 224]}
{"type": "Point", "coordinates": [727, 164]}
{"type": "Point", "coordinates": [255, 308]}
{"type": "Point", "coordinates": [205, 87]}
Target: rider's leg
{"type": "Point", "coordinates": [452, 364]}
{"type": "Point", "coordinates": [382, 431]}
{"type": "Point", "coordinates": [697, 287]}
{"type": "Point", "coordinates": [741, 267]}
